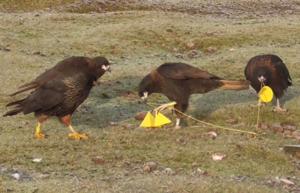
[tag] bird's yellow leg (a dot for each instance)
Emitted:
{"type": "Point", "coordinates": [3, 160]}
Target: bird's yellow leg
{"type": "Point", "coordinates": [75, 135]}
{"type": "Point", "coordinates": [38, 132]}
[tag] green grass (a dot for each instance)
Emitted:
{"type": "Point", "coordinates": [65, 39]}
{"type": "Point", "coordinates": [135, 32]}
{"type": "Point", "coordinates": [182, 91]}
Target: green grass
{"type": "Point", "coordinates": [136, 42]}
{"type": "Point", "coordinates": [31, 5]}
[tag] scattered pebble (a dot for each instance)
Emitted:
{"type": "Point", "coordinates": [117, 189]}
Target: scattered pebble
{"type": "Point", "coordinates": [113, 123]}
{"type": "Point", "coordinates": [99, 160]}
{"type": "Point", "coordinates": [168, 171]}
{"type": "Point", "coordinates": [218, 156]}
{"type": "Point", "coordinates": [287, 181]}
{"type": "Point", "coordinates": [212, 134]}
{"type": "Point", "coordinates": [211, 50]}
{"type": "Point", "coordinates": [37, 160]}
{"type": "Point", "coordinates": [150, 166]}
{"type": "Point", "coordinates": [190, 45]}
{"type": "Point", "coordinates": [140, 116]}
{"type": "Point", "coordinates": [181, 141]}
{"type": "Point", "coordinates": [16, 176]}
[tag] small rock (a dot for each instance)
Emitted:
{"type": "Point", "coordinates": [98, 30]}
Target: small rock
{"type": "Point", "coordinates": [98, 160]}
{"type": "Point", "coordinates": [190, 45]}
{"type": "Point", "coordinates": [193, 54]}
{"type": "Point", "coordinates": [179, 56]}
{"type": "Point", "coordinates": [128, 126]}
{"type": "Point", "coordinates": [201, 172]}
{"type": "Point", "coordinates": [181, 141]}
{"type": "Point", "coordinates": [212, 134]}
{"type": "Point", "coordinates": [150, 166]}
{"type": "Point", "coordinates": [16, 176]}
{"type": "Point", "coordinates": [39, 53]}
{"type": "Point", "coordinates": [113, 123]}
{"type": "Point", "coordinates": [218, 156]}
{"type": "Point", "coordinates": [37, 160]}
{"type": "Point", "coordinates": [210, 50]}
{"type": "Point", "coordinates": [287, 181]}
{"type": "Point", "coordinates": [140, 116]}
{"type": "Point", "coordinates": [168, 171]}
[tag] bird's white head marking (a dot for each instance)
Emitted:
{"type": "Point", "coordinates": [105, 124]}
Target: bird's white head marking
{"type": "Point", "coordinates": [261, 79]}
{"type": "Point", "coordinates": [145, 96]}
{"type": "Point", "coordinates": [106, 67]}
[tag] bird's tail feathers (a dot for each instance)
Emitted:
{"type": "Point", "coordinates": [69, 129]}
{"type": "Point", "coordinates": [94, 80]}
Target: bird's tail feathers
{"type": "Point", "coordinates": [13, 112]}
{"type": "Point", "coordinates": [235, 84]}
{"type": "Point", "coordinates": [18, 107]}
{"type": "Point", "coordinates": [24, 88]}
{"type": "Point", "coordinates": [15, 102]}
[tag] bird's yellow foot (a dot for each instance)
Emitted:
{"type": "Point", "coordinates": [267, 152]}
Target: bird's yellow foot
{"type": "Point", "coordinates": [39, 135]}
{"type": "Point", "coordinates": [78, 136]}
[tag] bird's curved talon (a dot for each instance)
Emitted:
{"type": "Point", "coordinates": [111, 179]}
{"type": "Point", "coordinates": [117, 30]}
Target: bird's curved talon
{"type": "Point", "coordinates": [39, 135]}
{"type": "Point", "coordinates": [78, 136]}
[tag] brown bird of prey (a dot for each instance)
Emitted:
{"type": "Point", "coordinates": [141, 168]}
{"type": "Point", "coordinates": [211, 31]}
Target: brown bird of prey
{"type": "Point", "coordinates": [269, 70]}
{"type": "Point", "coordinates": [59, 91]}
{"type": "Point", "coordinates": [177, 81]}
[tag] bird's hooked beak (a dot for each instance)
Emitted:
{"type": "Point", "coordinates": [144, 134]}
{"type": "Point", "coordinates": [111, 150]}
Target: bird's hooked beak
{"type": "Point", "coordinates": [106, 68]}
{"type": "Point", "coordinates": [261, 79]}
{"type": "Point", "coordinates": [144, 97]}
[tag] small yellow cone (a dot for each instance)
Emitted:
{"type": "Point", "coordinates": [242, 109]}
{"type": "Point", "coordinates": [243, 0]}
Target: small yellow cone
{"type": "Point", "coordinates": [265, 94]}
{"type": "Point", "coordinates": [148, 121]}
{"type": "Point", "coordinates": [160, 120]}
{"type": "Point", "coordinates": [155, 121]}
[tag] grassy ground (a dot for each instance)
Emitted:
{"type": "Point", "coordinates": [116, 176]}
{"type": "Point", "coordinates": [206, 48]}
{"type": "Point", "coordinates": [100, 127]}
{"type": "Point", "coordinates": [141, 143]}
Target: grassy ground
{"type": "Point", "coordinates": [112, 160]}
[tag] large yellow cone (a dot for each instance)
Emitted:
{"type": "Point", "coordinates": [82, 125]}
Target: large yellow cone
{"type": "Point", "coordinates": [154, 121]}
{"type": "Point", "coordinates": [265, 94]}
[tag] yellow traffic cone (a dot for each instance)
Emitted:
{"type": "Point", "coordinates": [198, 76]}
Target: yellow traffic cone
{"type": "Point", "coordinates": [160, 120]}
{"type": "Point", "coordinates": [148, 121]}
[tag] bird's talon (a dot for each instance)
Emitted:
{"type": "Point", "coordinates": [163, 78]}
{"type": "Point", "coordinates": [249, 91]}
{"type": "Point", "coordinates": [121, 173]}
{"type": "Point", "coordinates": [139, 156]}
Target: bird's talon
{"type": "Point", "coordinates": [78, 136]}
{"type": "Point", "coordinates": [39, 135]}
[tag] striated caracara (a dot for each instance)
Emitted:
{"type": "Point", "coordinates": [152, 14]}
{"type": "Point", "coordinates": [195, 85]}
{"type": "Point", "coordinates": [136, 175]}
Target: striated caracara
{"type": "Point", "coordinates": [269, 70]}
{"type": "Point", "coordinates": [178, 81]}
{"type": "Point", "coordinates": [59, 91]}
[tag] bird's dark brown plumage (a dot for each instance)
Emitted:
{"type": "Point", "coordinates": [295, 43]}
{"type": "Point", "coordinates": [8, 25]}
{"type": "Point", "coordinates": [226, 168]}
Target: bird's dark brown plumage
{"type": "Point", "coordinates": [271, 71]}
{"type": "Point", "coordinates": [61, 89]}
{"type": "Point", "coordinates": [178, 81]}
{"type": "Point", "coordinates": [272, 68]}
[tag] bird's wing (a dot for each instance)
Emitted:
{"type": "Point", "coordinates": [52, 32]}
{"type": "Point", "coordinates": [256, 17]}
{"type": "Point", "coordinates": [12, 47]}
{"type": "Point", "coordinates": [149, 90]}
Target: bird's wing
{"type": "Point", "coordinates": [68, 67]}
{"type": "Point", "coordinates": [183, 71]}
{"type": "Point", "coordinates": [46, 97]}
{"type": "Point", "coordinates": [281, 67]}
{"type": "Point", "coordinates": [42, 79]}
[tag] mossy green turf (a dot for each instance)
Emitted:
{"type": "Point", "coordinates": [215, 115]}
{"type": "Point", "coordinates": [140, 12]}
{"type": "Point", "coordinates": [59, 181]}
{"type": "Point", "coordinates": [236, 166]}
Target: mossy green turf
{"type": "Point", "coordinates": [136, 42]}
